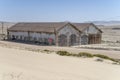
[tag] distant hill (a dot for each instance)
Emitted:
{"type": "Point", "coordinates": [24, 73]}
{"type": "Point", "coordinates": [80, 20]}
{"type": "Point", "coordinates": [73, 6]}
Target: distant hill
{"type": "Point", "coordinates": [105, 23]}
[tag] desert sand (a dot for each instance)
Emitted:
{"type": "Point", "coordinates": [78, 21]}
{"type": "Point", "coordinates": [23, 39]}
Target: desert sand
{"type": "Point", "coordinates": [17, 45]}
{"type": "Point", "coordinates": [18, 64]}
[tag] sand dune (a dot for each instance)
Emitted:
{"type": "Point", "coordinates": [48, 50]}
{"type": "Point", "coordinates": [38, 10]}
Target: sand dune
{"type": "Point", "coordinates": [26, 65]}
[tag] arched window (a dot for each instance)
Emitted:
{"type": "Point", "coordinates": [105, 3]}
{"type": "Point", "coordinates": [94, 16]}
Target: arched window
{"type": "Point", "coordinates": [73, 39]}
{"type": "Point", "coordinates": [62, 40]}
{"type": "Point", "coordinates": [84, 39]}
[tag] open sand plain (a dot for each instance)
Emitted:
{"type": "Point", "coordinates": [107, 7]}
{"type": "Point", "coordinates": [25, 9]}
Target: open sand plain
{"type": "Point", "coordinates": [18, 64]}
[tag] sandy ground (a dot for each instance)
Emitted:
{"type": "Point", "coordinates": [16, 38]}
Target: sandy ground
{"type": "Point", "coordinates": [110, 53]}
{"type": "Point", "coordinates": [111, 35]}
{"type": "Point", "coordinates": [18, 64]}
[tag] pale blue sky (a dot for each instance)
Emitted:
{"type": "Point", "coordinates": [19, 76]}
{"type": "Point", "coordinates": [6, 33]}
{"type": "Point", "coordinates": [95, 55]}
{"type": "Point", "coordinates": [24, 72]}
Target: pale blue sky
{"type": "Point", "coordinates": [59, 10]}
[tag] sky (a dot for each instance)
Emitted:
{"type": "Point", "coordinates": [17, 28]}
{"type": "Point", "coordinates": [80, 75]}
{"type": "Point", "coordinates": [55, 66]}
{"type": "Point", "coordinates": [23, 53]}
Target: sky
{"type": "Point", "coordinates": [59, 10]}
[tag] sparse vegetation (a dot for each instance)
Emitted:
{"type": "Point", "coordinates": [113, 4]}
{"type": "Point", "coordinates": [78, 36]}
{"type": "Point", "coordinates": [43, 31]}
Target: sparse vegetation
{"type": "Point", "coordinates": [81, 54]}
{"type": "Point", "coordinates": [47, 51]}
{"type": "Point", "coordinates": [86, 55]}
{"type": "Point", "coordinates": [64, 53]}
{"type": "Point", "coordinates": [106, 57]}
{"type": "Point", "coordinates": [101, 56]}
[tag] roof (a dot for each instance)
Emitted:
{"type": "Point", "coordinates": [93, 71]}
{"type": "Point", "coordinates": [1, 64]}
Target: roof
{"type": "Point", "coordinates": [49, 27]}
{"type": "Point", "coordinates": [83, 26]}
{"type": "Point", "coordinates": [37, 27]}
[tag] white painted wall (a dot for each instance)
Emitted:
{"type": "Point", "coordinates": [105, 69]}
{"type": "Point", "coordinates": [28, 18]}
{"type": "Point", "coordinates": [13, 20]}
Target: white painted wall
{"type": "Point", "coordinates": [33, 35]}
{"type": "Point", "coordinates": [23, 34]}
{"type": "Point", "coordinates": [18, 33]}
{"type": "Point", "coordinates": [42, 35]}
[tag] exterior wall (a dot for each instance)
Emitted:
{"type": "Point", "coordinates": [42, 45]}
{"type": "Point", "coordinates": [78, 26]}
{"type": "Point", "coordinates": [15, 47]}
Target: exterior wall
{"type": "Point", "coordinates": [23, 34]}
{"type": "Point", "coordinates": [33, 36]}
{"type": "Point", "coordinates": [39, 36]}
{"type": "Point", "coordinates": [93, 36]}
{"type": "Point", "coordinates": [91, 30]}
{"type": "Point", "coordinates": [69, 30]}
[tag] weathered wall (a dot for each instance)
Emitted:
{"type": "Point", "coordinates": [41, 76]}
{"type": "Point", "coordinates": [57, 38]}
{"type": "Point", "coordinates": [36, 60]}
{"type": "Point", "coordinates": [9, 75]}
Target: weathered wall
{"type": "Point", "coordinates": [33, 36]}
{"type": "Point", "coordinates": [41, 35]}
{"type": "Point", "coordinates": [89, 32]}
{"type": "Point", "coordinates": [69, 30]}
{"type": "Point", "coordinates": [23, 34]}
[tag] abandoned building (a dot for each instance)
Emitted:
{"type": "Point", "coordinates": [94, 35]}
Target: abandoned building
{"type": "Point", "coordinates": [56, 33]}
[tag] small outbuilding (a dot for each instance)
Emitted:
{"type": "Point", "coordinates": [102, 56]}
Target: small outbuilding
{"type": "Point", "coordinates": [56, 33]}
